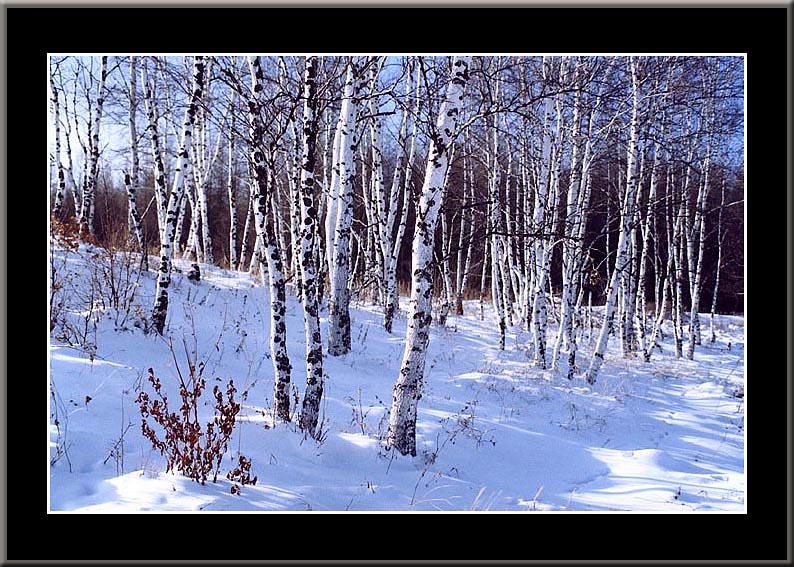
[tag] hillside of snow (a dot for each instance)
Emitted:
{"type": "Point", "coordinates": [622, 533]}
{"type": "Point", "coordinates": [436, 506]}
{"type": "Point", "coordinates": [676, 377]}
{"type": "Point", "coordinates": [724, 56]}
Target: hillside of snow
{"type": "Point", "coordinates": [494, 433]}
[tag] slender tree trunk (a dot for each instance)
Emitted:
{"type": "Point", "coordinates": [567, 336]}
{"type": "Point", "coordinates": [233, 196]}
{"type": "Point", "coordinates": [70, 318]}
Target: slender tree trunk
{"type": "Point", "coordinates": [700, 226]}
{"type": "Point", "coordinates": [67, 126]}
{"type": "Point", "coordinates": [160, 184]}
{"type": "Point", "coordinates": [342, 178]}
{"type": "Point", "coordinates": [263, 185]}
{"type": "Point", "coordinates": [309, 230]}
{"type": "Point", "coordinates": [181, 173]}
{"type": "Point", "coordinates": [401, 183]}
{"type": "Point", "coordinates": [719, 263]}
{"type": "Point", "coordinates": [249, 214]}
{"type": "Point", "coordinates": [640, 323]}
{"type": "Point", "coordinates": [293, 157]}
{"type": "Point", "coordinates": [60, 192]}
{"type": "Point", "coordinates": [524, 204]}
{"type": "Point", "coordinates": [280, 225]}
{"type": "Point", "coordinates": [88, 207]}
{"type": "Point", "coordinates": [496, 231]}
{"type": "Point", "coordinates": [369, 243]}
{"type": "Point", "coordinates": [666, 284]}
{"type": "Point", "coordinates": [131, 181]}
{"type": "Point", "coordinates": [509, 268]}
{"type": "Point", "coordinates": [380, 235]}
{"type": "Point", "coordinates": [204, 160]}
{"type": "Point", "coordinates": [446, 273]}
{"type": "Point", "coordinates": [230, 191]}
{"type": "Point", "coordinates": [570, 274]}
{"type": "Point", "coordinates": [193, 247]}
{"type": "Point", "coordinates": [185, 202]}
{"type": "Point", "coordinates": [203, 207]}
{"type": "Point", "coordinates": [484, 277]}
{"type": "Point", "coordinates": [629, 279]}
{"type": "Point", "coordinates": [408, 388]}
{"type": "Point", "coordinates": [541, 245]}
{"type": "Point", "coordinates": [678, 245]}
{"type": "Point", "coordinates": [464, 239]}
{"type": "Point", "coordinates": [622, 260]}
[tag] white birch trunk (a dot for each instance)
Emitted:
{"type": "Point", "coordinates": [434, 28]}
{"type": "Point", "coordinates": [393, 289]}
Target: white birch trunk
{"type": "Point", "coordinates": [408, 388]}
{"type": "Point", "coordinates": [131, 181]}
{"type": "Point", "coordinates": [180, 224]}
{"type": "Point", "coordinates": [160, 184]}
{"type": "Point", "coordinates": [466, 237]}
{"type": "Point", "coordinates": [232, 194]}
{"type": "Point", "coordinates": [622, 260]}
{"type": "Point", "coordinates": [293, 157]}
{"type": "Point", "coordinates": [510, 268]}
{"type": "Point", "coordinates": [696, 287]}
{"type": "Point", "coordinates": [203, 206]}
{"type": "Point", "coordinates": [180, 174]}
{"type": "Point", "coordinates": [496, 239]}
{"type": "Point", "coordinates": [343, 176]}
{"type": "Point", "coordinates": [204, 160]}
{"type": "Point", "coordinates": [678, 254]}
{"type": "Point", "coordinates": [308, 235]}
{"type": "Point", "coordinates": [571, 265]}
{"type": "Point", "coordinates": [719, 263]}
{"type": "Point", "coordinates": [193, 247]}
{"type": "Point", "coordinates": [540, 244]}
{"type": "Point", "coordinates": [666, 283]}
{"type": "Point", "coordinates": [66, 123]}
{"type": "Point", "coordinates": [88, 207]}
{"type": "Point", "coordinates": [332, 204]}
{"type": "Point", "coordinates": [60, 192]}
{"type": "Point", "coordinates": [401, 182]}
{"type": "Point", "coordinates": [263, 185]}
{"type": "Point", "coordinates": [249, 214]}
{"type": "Point", "coordinates": [640, 323]}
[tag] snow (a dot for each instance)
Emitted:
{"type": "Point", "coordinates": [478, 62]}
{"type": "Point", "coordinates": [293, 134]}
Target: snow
{"type": "Point", "coordinates": [493, 434]}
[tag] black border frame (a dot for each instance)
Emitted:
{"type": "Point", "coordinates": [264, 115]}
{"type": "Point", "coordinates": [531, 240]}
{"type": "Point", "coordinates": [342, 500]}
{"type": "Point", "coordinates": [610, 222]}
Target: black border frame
{"type": "Point", "coordinates": [756, 537]}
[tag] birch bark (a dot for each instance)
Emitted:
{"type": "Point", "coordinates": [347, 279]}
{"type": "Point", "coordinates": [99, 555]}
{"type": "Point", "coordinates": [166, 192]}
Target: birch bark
{"type": "Point", "coordinates": [622, 260]}
{"type": "Point", "coordinates": [342, 179]}
{"type": "Point", "coordinates": [408, 388]}
{"type": "Point", "coordinates": [308, 235]}
{"type": "Point", "coordinates": [131, 181]}
{"type": "Point", "coordinates": [88, 206]}
{"type": "Point", "coordinates": [180, 174]}
{"type": "Point", "coordinates": [60, 192]}
{"type": "Point", "coordinates": [263, 187]}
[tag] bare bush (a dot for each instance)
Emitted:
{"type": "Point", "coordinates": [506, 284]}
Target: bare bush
{"type": "Point", "coordinates": [194, 450]}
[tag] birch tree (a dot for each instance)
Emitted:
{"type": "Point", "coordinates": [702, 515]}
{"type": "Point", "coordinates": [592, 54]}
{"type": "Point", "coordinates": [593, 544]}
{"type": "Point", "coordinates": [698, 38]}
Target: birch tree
{"type": "Point", "coordinates": [131, 180]}
{"type": "Point", "coordinates": [181, 172]}
{"type": "Point", "coordinates": [230, 188]}
{"type": "Point", "coordinates": [573, 221]}
{"type": "Point", "coordinates": [60, 193]}
{"type": "Point", "coordinates": [88, 205]}
{"type": "Point", "coordinates": [465, 236]}
{"type": "Point", "coordinates": [498, 291]}
{"type": "Point", "coordinates": [698, 231]}
{"type": "Point", "coordinates": [719, 262]}
{"type": "Point", "coordinates": [622, 259]}
{"type": "Point", "coordinates": [400, 184]}
{"type": "Point", "coordinates": [408, 388]}
{"type": "Point", "coordinates": [308, 236]}
{"type": "Point", "coordinates": [541, 243]}
{"type": "Point", "coordinates": [338, 229]}
{"type": "Point", "coordinates": [263, 214]}
{"type": "Point", "coordinates": [646, 228]}
{"type": "Point", "coordinates": [160, 183]}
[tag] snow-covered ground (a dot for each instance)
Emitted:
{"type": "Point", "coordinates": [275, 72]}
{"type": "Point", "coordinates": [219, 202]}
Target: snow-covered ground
{"type": "Point", "coordinates": [494, 433]}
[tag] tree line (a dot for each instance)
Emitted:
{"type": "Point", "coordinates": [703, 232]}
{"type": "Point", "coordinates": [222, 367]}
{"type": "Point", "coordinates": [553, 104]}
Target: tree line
{"type": "Point", "coordinates": [541, 186]}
